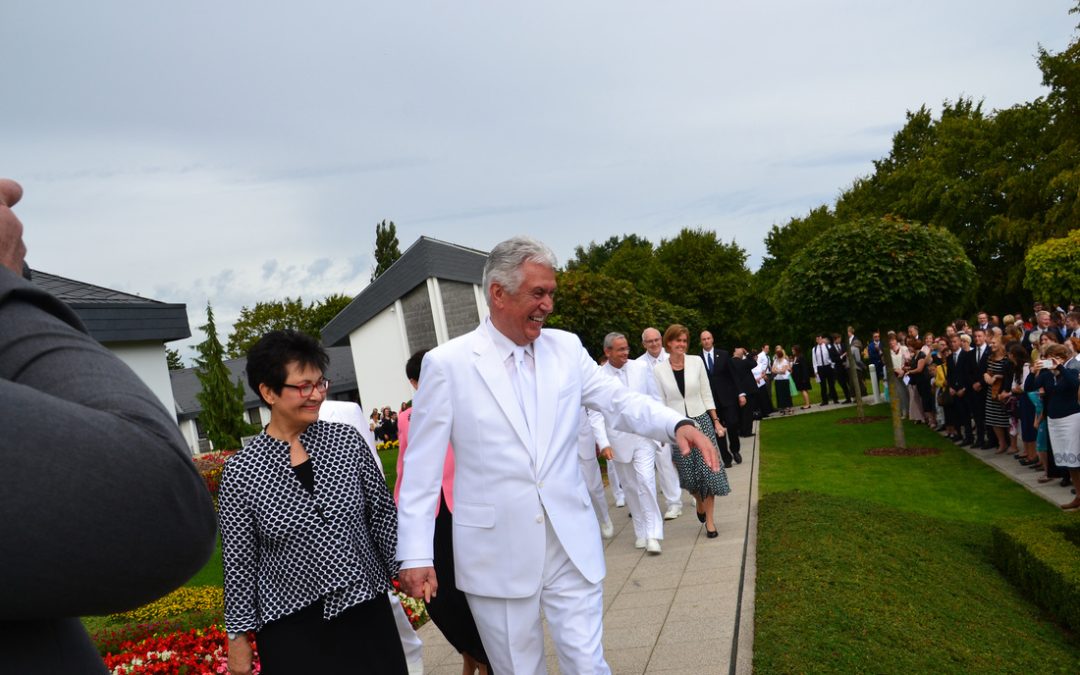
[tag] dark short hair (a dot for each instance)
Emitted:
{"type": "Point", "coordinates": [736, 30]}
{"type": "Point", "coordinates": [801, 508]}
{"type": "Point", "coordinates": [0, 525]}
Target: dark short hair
{"type": "Point", "coordinates": [268, 359]}
{"type": "Point", "coordinates": [412, 366]}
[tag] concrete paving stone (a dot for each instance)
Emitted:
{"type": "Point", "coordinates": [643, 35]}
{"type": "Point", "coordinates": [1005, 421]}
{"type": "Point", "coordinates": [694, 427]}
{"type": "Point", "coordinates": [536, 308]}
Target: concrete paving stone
{"type": "Point", "coordinates": [617, 619]}
{"type": "Point", "coordinates": [679, 628]}
{"type": "Point", "coordinates": [639, 582]}
{"type": "Point", "coordinates": [701, 609]}
{"type": "Point", "coordinates": [676, 671]}
{"type": "Point", "coordinates": [628, 661]}
{"type": "Point", "coordinates": [642, 634]}
{"type": "Point", "coordinates": [658, 598]}
{"type": "Point", "coordinates": [708, 656]}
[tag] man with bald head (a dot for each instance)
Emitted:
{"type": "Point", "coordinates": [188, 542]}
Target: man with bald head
{"type": "Point", "coordinates": [727, 395]}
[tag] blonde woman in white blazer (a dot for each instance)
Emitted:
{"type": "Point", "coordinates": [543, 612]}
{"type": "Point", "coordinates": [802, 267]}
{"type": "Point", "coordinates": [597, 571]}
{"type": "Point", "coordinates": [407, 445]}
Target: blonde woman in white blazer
{"type": "Point", "coordinates": [684, 386]}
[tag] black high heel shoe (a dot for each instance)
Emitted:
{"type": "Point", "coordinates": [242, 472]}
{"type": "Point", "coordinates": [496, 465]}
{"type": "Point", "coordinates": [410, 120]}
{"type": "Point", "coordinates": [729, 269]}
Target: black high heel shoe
{"type": "Point", "coordinates": [711, 534]}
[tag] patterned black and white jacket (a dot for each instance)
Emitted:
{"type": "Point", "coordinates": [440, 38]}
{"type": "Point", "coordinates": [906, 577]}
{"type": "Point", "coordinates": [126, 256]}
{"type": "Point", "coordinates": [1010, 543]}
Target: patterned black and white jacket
{"type": "Point", "coordinates": [285, 548]}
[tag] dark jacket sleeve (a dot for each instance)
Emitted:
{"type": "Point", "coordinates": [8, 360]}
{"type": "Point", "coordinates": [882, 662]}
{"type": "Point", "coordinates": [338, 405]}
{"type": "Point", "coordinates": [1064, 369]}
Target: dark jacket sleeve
{"type": "Point", "coordinates": [103, 508]}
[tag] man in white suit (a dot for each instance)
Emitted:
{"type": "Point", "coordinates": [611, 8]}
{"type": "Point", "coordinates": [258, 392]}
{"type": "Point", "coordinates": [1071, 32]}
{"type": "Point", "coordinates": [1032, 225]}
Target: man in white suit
{"type": "Point", "coordinates": [507, 395]}
{"type": "Point", "coordinates": [635, 456]}
{"type": "Point", "coordinates": [666, 475]}
{"type": "Point", "coordinates": [591, 435]}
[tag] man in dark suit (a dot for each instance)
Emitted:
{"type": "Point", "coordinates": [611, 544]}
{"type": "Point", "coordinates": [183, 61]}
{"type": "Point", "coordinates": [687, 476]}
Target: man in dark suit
{"type": "Point", "coordinates": [744, 381]}
{"type": "Point", "coordinates": [977, 405]}
{"type": "Point", "coordinates": [960, 371]}
{"type": "Point", "coordinates": [873, 354]}
{"type": "Point", "coordinates": [823, 368]}
{"type": "Point", "coordinates": [727, 395]}
{"type": "Point", "coordinates": [840, 365]}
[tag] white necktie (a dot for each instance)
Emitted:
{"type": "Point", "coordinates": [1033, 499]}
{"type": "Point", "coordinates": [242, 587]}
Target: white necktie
{"type": "Point", "coordinates": [526, 388]}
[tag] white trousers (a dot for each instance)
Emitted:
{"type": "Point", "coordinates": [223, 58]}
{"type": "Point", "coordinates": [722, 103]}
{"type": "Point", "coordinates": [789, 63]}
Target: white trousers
{"type": "Point", "coordinates": [639, 483]}
{"type": "Point", "coordinates": [590, 471]}
{"type": "Point", "coordinates": [667, 476]}
{"type": "Point", "coordinates": [613, 480]}
{"type": "Point", "coordinates": [410, 641]}
{"type": "Point", "coordinates": [513, 633]}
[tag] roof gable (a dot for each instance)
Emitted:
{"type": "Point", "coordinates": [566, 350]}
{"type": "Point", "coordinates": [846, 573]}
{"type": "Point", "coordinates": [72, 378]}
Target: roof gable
{"type": "Point", "coordinates": [426, 258]}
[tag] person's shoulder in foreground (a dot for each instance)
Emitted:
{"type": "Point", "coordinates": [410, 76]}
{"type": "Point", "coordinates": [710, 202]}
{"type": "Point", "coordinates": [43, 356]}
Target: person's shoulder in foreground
{"type": "Point", "coordinates": [103, 508]}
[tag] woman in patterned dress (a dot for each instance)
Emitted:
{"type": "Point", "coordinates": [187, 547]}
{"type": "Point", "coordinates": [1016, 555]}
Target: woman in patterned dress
{"type": "Point", "coordinates": [684, 385]}
{"type": "Point", "coordinates": [308, 529]}
{"type": "Point", "coordinates": [997, 418]}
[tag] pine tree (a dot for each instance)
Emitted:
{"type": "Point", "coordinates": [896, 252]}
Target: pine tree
{"type": "Point", "coordinates": [386, 248]}
{"type": "Point", "coordinates": [173, 359]}
{"type": "Point", "coordinates": [222, 401]}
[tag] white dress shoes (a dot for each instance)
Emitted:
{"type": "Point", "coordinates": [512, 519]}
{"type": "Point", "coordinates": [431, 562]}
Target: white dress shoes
{"type": "Point", "coordinates": [673, 512]}
{"type": "Point", "coordinates": [653, 546]}
{"type": "Point", "coordinates": [607, 530]}
{"type": "Point", "coordinates": [640, 543]}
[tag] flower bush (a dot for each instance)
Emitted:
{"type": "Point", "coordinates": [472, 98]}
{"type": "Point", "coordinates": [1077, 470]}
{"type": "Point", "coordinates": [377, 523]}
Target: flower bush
{"type": "Point", "coordinates": [414, 608]}
{"type": "Point", "coordinates": [210, 465]}
{"type": "Point", "coordinates": [181, 601]}
{"type": "Point", "coordinates": [387, 445]}
{"type": "Point", "coordinates": [108, 639]}
{"type": "Point", "coordinates": [198, 651]}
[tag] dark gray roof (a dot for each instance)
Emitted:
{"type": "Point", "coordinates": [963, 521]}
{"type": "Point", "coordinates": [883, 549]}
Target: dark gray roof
{"type": "Point", "coordinates": [115, 316]}
{"type": "Point", "coordinates": [185, 383]}
{"type": "Point", "coordinates": [426, 258]}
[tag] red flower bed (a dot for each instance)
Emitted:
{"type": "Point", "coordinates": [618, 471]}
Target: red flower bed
{"type": "Point", "coordinates": [199, 651]}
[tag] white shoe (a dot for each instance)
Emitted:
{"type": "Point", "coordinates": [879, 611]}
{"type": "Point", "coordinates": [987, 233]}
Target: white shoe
{"type": "Point", "coordinates": [607, 530]}
{"type": "Point", "coordinates": [653, 546]}
{"type": "Point", "coordinates": [673, 512]}
{"type": "Point", "coordinates": [640, 543]}
{"type": "Point", "coordinates": [620, 502]}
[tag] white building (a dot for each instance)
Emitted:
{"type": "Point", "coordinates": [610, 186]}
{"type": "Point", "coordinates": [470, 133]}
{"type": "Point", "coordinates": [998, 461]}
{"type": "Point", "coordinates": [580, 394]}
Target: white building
{"type": "Point", "coordinates": [132, 327]}
{"type": "Point", "coordinates": [431, 294]}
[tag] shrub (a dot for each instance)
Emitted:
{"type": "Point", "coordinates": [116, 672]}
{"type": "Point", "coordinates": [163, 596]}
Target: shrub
{"type": "Point", "coordinates": [1042, 558]}
{"type": "Point", "coordinates": [199, 650]}
{"type": "Point", "coordinates": [109, 640]}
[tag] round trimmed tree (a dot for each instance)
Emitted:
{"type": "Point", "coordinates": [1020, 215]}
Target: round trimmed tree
{"type": "Point", "coordinates": [1053, 269]}
{"type": "Point", "coordinates": [880, 273]}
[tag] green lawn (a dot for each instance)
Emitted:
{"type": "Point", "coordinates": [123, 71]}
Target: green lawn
{"type": "Point", "coordinates": [882, 564]}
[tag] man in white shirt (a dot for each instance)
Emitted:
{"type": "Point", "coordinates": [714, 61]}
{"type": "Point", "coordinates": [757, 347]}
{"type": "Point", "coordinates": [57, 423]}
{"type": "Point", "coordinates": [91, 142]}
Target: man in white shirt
{"type": "Point", "coordinates": [526, 542]}
{"type": "Point", "coordinates": [634, 456]}
{"type": "Point", "coordinates": [823, 368]}
{"type": "Point", "coordinates": [761, 376]}
{"type": "Point", "coordinates": [666, 475]}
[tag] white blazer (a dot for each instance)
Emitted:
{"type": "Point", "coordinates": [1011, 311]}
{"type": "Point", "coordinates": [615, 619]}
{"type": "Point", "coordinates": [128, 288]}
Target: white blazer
{"type": "Point", "coordinates": [698, 397]}
{"type": "Point", "coordinates": [639, 378]}
{"type": "Point", "coordinates": [506, 484]}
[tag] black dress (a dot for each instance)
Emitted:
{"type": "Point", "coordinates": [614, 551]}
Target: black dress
{"type": "Point", "coordinates": [801, 374]}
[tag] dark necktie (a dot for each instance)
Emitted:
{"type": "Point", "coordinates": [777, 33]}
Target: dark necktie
{"type": "Point", "coordinates": [709, 361]}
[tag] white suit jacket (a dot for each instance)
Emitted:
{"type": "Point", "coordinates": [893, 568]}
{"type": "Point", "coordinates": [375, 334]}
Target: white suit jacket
{"type": "Point", "coordinates": [698, 397]}
{"type": "Point", "coordinates": [506, 485]}
{"type": "Point", "coordinates": [591, 433]}
{"type": "Point", "coordinates": [639, 378]}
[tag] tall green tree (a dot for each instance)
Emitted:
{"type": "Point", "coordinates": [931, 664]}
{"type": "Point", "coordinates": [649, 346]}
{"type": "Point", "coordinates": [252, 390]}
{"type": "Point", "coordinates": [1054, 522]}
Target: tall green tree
{"type": "Point", "coordinates": [1053, 270]}
{"type": "Point", "coordinates": [173, 359]}
{"type": "Point", "coordinates": [386, 248]}
{"type": "Point", "coordinates": [592, 305]}
{"type": "Point", "coordinates": [270, 315]}
{"type": "Point", "coordinates": [222, 400]}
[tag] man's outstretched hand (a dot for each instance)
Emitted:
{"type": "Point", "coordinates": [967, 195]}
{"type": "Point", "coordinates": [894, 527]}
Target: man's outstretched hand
{"type": "Point", "coordinates": [689, 436]}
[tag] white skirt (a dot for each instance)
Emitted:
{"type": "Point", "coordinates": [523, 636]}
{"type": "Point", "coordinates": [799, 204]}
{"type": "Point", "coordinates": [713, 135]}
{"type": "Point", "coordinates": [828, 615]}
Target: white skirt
{"type": "Point", "coordinates": [1065, 437]}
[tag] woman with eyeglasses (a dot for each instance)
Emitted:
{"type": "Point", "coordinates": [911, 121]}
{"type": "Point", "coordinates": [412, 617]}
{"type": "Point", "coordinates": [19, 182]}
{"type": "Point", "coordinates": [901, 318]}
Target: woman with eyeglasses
{"type": "Point", "coordinates": [308, 529]}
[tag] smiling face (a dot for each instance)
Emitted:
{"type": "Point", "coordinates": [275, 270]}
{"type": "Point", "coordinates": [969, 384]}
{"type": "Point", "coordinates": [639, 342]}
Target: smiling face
{"type": "Point", "coordinates": [618, 353]}
{"type": "Point", "coordinates": [677, 345]}
{"type": "Point", "coordinates": [520, 315]}
{"type": "Point", "coordinates": [653, 342]}
{"type": "Point", "coordinates": [289, 409]}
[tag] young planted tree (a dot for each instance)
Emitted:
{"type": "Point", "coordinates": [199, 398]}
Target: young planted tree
{"type": "Point", "coordinates": [222, 401]}
{"type": "Point", "coordinates": [878, 272]}
{"type": "Point", "coordinates": [386, 248]}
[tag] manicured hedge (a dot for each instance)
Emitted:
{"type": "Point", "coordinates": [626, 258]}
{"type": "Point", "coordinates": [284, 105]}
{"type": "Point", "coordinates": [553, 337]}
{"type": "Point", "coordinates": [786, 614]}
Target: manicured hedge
{"type": "Point", "coordinates": [1042, 557]}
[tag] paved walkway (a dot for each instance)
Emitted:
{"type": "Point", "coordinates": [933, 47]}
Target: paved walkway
{"type": "Point", "coordinates": [688, 610]}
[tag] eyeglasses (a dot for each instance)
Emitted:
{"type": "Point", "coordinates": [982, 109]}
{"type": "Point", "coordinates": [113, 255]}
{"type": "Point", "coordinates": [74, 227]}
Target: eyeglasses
{"type": "Point", "coordinates": [307, 389]}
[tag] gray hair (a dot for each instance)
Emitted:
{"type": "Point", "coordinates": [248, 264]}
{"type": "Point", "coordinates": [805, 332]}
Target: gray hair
{"type": "Point", "coordinates": [610, 338]}
{"type": "Point", "coordinates": [504, 263]}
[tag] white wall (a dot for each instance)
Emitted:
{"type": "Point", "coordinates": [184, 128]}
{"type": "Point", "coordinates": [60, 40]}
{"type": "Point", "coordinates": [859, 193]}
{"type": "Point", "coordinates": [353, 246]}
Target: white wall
{"type": "Point", "coordinates": [379, 352]}
{"type": "Point", "coordinates": [147, 359]}
{"type": "Point", "coordinates": [191, 435]}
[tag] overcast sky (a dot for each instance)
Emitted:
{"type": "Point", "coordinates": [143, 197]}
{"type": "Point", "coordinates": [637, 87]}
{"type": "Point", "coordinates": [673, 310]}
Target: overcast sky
{"type": "Point", "coordinates": [242, 151]}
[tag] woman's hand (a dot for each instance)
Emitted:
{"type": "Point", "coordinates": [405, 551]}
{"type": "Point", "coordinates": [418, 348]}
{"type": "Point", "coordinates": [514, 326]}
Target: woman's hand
{"type": "Point", "coordinates": [240, 655]}
{"type": "Point", "coordinates": [721, 430]}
